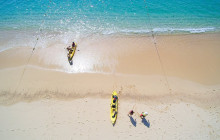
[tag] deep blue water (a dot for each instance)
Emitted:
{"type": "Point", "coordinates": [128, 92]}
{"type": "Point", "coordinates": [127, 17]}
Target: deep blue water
{"type": "Point", "coordinates": [111, 16]}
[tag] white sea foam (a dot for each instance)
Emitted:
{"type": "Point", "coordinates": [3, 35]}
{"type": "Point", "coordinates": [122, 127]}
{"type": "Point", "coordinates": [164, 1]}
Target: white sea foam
{"type": "Point", "coordinates": [189, 30]}
{"type": "Point", "coordinates": [160, 30]}
{"type": "Point", "coordinates": [44, 39]}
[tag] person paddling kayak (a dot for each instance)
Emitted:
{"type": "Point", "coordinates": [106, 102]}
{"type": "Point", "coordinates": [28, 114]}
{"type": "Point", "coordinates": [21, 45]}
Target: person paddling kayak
{"type": "Point", "coordinates": [71, 51]}
{"type": "Point", "coordinates": [70, 48]}
{"type": "Point", "coordinates": [73, 44]}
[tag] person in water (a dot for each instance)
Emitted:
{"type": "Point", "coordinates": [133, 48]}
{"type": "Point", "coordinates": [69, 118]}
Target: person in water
{"type": "Point", "coordinates": [71, 48]}
{"type": "Point", "coordinates": [68, 48]}
{"type": "Point", "coordinates": [130, 113]}
{"type": "Point", "coordinates": [143, 115]}
{"type": "Point", "coordinates": [73, 44]}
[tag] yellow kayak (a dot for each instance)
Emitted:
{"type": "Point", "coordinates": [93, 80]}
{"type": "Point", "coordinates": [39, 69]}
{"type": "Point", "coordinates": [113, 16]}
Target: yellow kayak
{"type": "Point", "coordinates": [71, 53]}
{"type": "Point", "coordinates": [114, 107]}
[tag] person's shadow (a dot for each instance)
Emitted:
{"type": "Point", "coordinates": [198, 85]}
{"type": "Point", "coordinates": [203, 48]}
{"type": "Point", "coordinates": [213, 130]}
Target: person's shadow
{"type": "Point", "coordinates": [133, 121]}
{"type": "Point", "coordinates": [146, 122]}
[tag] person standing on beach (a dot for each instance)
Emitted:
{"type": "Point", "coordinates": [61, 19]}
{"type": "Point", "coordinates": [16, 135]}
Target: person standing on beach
{"type": "Point", "coordinates": [143, 115]}
{"type": "Point", "coordinates": [130, 113]}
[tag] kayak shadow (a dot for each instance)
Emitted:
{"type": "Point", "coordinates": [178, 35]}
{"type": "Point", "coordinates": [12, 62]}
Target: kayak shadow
{"type": "Point", "coordinates": [146, 122]}
{"type": "Point", "coordinates": [133, 121]}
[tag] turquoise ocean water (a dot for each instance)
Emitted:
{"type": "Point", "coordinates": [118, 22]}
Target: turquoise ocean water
{"type": "Point", "coordinates": [48, 19]}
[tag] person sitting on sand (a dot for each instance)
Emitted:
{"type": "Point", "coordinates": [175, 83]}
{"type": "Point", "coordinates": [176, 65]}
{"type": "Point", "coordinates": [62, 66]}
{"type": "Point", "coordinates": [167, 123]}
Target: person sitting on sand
{"type": "Point", "coordinates": [115, 98]}
{"type": "Point", "coordinates": [130, 113]}
{"type": "Point", "coordinates": [143, 115]}
{"type": "Point", "coordinates": [113, 106]}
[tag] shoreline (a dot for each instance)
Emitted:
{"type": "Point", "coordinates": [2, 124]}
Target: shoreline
{"type": "Point", "coordinates": [57, 36]}
{"type": "Point", "coordinates": [189, 57]}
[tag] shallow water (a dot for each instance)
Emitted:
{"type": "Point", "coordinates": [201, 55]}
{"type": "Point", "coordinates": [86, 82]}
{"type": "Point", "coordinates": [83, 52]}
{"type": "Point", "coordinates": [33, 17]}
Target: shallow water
{"type": "Point", "coordinates": [22, 22]}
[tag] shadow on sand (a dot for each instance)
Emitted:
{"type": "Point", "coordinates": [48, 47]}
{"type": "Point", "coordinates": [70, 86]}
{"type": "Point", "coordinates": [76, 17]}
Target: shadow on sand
{"type": "Point", "coordinates": [146, 122]}
{"type": "Point", "coordinates": [133, 121]}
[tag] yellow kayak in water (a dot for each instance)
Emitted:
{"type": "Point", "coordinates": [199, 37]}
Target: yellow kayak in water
{"type": "Point", "coordinates": [114, 107]}
{"type": "Point", "coordinates": [71, 53]}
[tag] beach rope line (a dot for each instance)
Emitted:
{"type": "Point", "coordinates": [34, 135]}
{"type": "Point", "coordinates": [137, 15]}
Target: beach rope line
{"type": "Point", "coordinates": [157, 51]}
{"type": "Point", "coordinates": [26, 65]}
{"type": "Point", "coordinates": [37, 40]}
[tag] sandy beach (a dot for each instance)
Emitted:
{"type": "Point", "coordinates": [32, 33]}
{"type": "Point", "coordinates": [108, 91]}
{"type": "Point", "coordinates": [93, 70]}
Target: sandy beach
{"type": "Point", "coordinates": [175, 78]}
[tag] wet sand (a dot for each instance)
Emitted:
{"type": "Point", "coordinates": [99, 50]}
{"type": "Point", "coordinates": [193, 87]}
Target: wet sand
{"type": "Point", "coordinates": [177, 82]}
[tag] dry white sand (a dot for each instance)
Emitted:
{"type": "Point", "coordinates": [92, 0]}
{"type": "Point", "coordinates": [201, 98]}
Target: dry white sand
{"type": "Point", "coordinates": [89, 118]}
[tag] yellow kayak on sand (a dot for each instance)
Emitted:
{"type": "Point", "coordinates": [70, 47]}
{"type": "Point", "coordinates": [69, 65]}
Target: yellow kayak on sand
{"type": "Point", "coordinates": [114, 107]}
